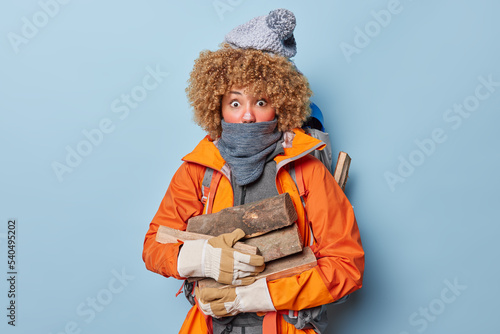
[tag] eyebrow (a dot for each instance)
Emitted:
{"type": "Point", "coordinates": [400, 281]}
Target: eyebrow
{"type": "Point", "coordinates": [235, 92]}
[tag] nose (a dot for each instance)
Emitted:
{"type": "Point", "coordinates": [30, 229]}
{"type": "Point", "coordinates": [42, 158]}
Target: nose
{"type": "Point", "coordinates": [248, 115]}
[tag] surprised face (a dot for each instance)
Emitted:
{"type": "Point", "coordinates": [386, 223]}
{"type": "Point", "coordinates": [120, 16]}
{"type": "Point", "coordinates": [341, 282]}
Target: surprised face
{"type": "Point", "coordinates": [239, 107]}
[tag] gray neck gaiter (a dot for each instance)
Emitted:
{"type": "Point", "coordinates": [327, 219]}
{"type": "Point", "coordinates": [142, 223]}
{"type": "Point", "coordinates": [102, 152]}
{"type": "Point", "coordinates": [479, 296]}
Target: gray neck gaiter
{"type": "Point", "coordinates": [245, 147]}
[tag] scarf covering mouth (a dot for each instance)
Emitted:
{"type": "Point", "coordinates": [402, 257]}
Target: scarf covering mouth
{"type": "Point", "coordinates": [246, 146]}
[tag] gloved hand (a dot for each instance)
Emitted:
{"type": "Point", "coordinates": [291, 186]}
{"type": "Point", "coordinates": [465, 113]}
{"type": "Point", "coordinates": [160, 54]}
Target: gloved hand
{"type": "Point", "coordinates": [233, 300]}
{"type": "Point", "coordinates": [217, 259]}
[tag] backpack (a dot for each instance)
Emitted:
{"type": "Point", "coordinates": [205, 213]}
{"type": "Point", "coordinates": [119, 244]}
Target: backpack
{"type": "Point", "coordinates": [313, 126]}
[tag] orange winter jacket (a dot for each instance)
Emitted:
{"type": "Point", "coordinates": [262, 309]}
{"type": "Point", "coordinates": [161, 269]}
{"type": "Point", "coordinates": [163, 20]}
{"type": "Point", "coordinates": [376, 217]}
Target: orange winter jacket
{"type": "Point", "coordinates": [330, 220]}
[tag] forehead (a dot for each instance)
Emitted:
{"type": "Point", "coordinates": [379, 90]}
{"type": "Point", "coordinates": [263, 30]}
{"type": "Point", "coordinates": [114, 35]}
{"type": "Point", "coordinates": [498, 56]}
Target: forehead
{"type": "Point", "coordinates": [245, 91]}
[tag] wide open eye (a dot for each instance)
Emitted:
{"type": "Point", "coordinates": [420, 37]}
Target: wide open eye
{"type": "Point", "coordinates": [262, 103]}
{"type": "Point", "coordinates": [235, 104]}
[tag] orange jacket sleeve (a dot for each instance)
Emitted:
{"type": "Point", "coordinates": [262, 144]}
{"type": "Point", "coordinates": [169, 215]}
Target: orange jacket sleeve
{"type": "Point", "coordinates": [181, 202]}
{"type": "Point", "coordinates": [337, 248]}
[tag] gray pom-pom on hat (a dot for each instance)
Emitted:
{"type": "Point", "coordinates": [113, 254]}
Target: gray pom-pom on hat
{"type": "Point", "coordinates": [271, 33]}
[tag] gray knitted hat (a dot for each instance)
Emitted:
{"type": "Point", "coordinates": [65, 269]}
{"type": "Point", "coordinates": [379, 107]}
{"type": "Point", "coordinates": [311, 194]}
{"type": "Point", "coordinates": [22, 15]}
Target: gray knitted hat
{"type": "Point", "coordinates": [272, 33]}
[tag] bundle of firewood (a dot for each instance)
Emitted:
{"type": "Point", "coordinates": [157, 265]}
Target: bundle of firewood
{"type": "Point", "coordinates": [270, 231]}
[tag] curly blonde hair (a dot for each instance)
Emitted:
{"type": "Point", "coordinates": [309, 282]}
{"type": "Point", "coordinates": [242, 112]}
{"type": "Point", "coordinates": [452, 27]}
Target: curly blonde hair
{"type": "Point", "coordinates": [216, 72]}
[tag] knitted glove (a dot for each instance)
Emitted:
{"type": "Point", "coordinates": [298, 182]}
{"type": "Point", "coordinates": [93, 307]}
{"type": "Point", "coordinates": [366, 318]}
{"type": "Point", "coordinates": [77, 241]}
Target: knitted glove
{"type": "Point", "coordinates": [233, 300]}
{"type": "Point", "coordinates": [217, 259]}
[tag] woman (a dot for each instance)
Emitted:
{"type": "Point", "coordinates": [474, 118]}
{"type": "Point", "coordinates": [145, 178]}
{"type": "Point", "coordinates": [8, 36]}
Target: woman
{"type": "Point", "coordinates": [252, 100]}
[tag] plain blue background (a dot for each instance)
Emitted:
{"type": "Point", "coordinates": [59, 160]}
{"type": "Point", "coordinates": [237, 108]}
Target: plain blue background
{"type": "Point", "coordinates": [75, 234]}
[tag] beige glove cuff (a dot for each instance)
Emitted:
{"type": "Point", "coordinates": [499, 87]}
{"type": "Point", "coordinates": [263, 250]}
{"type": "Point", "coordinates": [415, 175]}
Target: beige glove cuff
{"type": "Point", "coordinates": [212, 262]}
{"type": "Point", "coordinates": [254, 298]}
{"type": "Point", "coordinates": [190, 262]}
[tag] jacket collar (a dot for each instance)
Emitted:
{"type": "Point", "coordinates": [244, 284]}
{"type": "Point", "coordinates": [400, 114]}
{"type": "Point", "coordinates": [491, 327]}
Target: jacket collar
{"type": "Point", "coordinates": [296, 145]}
{"type": "Point", "coordinates": [301, 145]}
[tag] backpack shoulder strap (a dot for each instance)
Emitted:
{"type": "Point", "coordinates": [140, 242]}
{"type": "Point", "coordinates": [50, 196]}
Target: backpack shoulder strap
{"type": "Point", "coordinates": [209, 186]}
{"type": "Point", "coordinates": [295, 171]}
{"type": "Point", "coordinates": [205, 185]}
